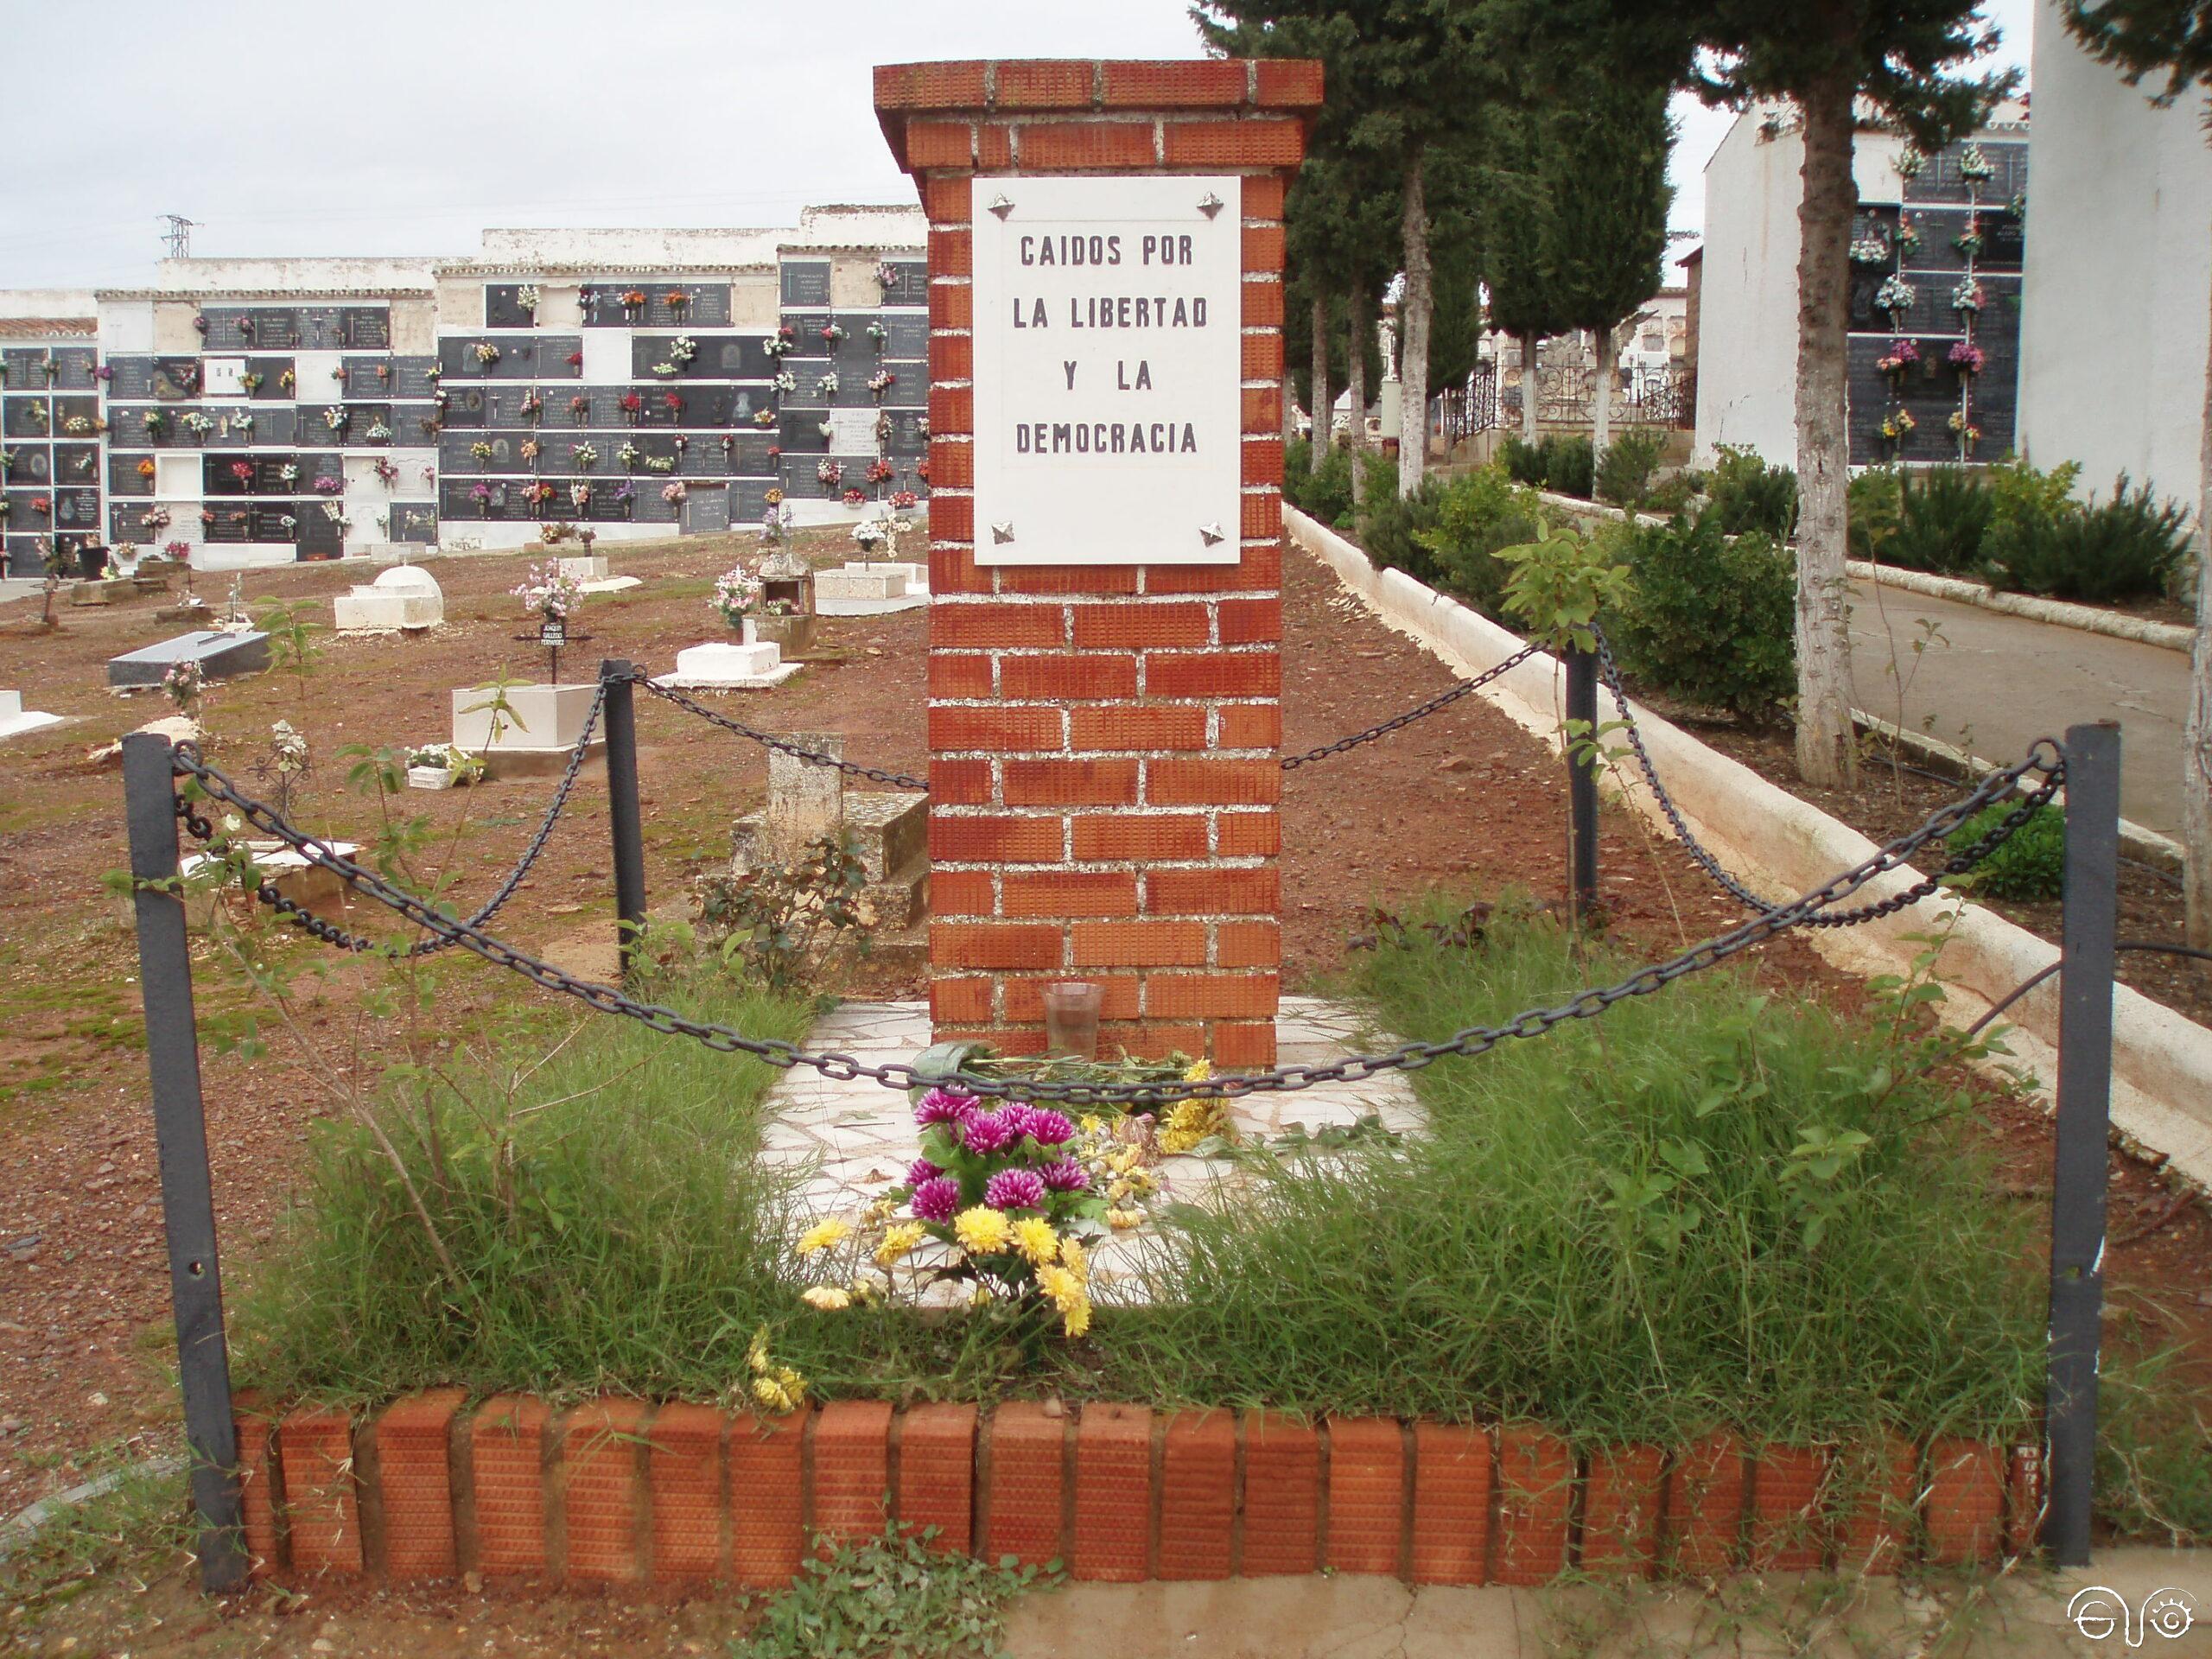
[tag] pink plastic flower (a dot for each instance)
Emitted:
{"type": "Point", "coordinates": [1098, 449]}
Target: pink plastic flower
{"type": "Point", "coordinates": [944, 1106]}
{"type": "Point", "coordinates": [938, 1199]}
{"type": "Point", "coordinates": [1014, 1189]}
{"type": "Point", "coordinates": [1066, 1175]}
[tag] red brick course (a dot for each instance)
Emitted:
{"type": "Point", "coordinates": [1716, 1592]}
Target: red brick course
{"type": "Point", "coordinates": [686, 1494]}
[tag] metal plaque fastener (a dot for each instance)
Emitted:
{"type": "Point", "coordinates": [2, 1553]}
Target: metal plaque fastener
{"type": "Point", "coordinates": [1209, 203]}
{"type": "Point", "coordinates": [1002, 533]}
{"type": "Point", "coordinates": [1000, 205]}
{"type": "Point", "coordinates": [1211, 534]}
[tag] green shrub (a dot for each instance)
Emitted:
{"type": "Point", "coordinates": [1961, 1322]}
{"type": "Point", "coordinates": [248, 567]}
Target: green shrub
{"type": "Point", "coordinates": [1872, 506]}
{"type": "Point", "coordinates": [1624, 471]}
{"type": "Point", "coordinates": [1477, 513]}
{"type": "Point", "coordinates": [1524, 462]}
{"type": "Point", "coordinates": [1390, 528]}
{"type": "Point", "coordinates": [1709, 619]}
{"type": "Point", "coordinates": [1568, 464]}
{"type": "Point", "coordinates": [2126, 548]}
{"type": "Point", "coordinates": [1749, 494]}
{"type": "Point", "coordinates": [1325, 495]}
{"type": "Point", "coordinates": [1674, 493]}
{"type": "Point", "coordinates": [2030, 864]}
{"type": "Point", "coordinates": [1943, 512]}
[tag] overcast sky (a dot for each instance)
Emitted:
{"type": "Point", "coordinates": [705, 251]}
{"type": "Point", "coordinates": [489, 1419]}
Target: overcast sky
{"type": "Point", "coordinates": [405, 127]}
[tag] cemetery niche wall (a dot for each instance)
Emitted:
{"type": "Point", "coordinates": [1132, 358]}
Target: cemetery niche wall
{"type": "Point", "coordinates": [474, 401]}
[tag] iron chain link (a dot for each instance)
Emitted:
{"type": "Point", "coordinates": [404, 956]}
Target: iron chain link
{"type": "Point", "coordinates": [1442, 700]}
{"type": "Point", "coordinates": [1408, 1056]}
{"type": "Point", "coordinates": [781, 744]}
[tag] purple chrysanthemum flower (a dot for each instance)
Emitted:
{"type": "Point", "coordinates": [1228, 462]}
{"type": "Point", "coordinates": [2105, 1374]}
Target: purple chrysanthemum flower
{"type": "Point", "coordinates": [1015, 1117]}
{"type": "Point", "coordinates": [938, 1199]}
{"type": "Point", "coordinates": [1049, 1128]}
{"type": "Point", "coordinates": [921, 1171]}
{"type": "Point", "coordinates": [1014, 1189]}
{"type": "Point", "coordinates": [1066, 1175]}
{"type": "Point", "coordinates": [988, 1132]}
{"type": "Point", "coordinates": [944, 1106]}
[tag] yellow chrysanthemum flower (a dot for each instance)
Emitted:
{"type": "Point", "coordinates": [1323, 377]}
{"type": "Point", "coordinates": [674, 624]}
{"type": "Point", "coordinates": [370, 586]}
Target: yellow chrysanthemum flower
{"type": "Point", "coordinates": [1069, 1296]}
{"type": "Point", "coordinates": [1074, 1258]}
{"type": "Point", "coordinates": [1199, 1071]}
{"type": "Point", "coordinates": [983, 1230]}
{"type": "Point", "coordinates": [897, 1241]}
{"type": "Point", "coordinates": [1034, 1237]}
{"type": "Point", "coordinates": [822, 1234]}
{"type": "Point", "coordinates": [1122, 1220]}
{"type": "Point", "coordinates": [756, 1356]}
{"type": "Point", "coordinates": [827, 1299]}
{"type": "Point", "coordinates": [1191, 1122]}
{"type": "Point", "coordinates": [783, 1393]}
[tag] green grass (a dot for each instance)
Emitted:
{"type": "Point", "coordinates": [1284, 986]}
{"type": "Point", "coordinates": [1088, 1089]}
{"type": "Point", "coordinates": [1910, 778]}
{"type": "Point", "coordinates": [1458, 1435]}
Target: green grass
{"type": "Point", "coordinates": [141, 1526]}
{"type": "Point", "coordinates": [1644, 1225]}
{"type": "Point", "coordinates": [1621, 1228]}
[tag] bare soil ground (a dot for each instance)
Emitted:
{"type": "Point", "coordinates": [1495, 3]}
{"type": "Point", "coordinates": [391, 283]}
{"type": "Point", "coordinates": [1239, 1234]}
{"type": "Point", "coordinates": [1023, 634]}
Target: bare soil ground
{"type": "Point", "coordinates": [1462, 800]}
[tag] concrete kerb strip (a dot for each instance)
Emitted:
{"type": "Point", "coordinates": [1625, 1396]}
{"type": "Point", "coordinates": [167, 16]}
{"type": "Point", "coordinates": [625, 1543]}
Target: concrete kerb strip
{"type": "Point", "coordinates": [29, 1523]}
{"type": "Point", "coordinates": [1779, 846]}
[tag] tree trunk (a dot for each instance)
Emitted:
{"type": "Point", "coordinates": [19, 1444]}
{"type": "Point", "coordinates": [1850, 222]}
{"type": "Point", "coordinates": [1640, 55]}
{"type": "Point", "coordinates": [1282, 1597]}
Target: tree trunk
{"type": "Point", "coordinates": [1324, 414]}
{"type": "Point", "coordinates": [1826, 753]}
{"type": "Point", "coordinates": [1531, 343]}
{"type": "Point", "coordinates": [1359, 316]}
{"type": "Point", "coordinates": [1605, 343]}
{"type": "Point", "coordinates": [2197, 735]}
{"type": "Point", "coordinates": [1415, 305]}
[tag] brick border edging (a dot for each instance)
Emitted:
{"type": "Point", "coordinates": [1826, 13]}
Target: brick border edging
{"type": "Point", "coordinates": [616, 1491]}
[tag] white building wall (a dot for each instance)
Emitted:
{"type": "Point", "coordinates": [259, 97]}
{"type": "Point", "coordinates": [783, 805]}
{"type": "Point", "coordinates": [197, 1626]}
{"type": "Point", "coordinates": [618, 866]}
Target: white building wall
{"type": "Point", "coordinates": [2114, 329]}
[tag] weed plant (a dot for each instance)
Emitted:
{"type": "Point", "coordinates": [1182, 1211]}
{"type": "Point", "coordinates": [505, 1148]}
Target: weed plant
{"type": "Point", "coordinates": [1749, 494]}
{"type": "Point", "coordinates": [2030, 864]}
{"type": "Point", "coordinates": [1623, 476]}
{"type": "Point", "coordinates": [1688, 587]}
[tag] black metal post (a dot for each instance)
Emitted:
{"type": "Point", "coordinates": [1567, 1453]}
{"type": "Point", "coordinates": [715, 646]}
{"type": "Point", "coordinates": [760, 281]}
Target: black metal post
{"type": "Point", "coordinates": [180, 1138]}
{"type": "Point", "coordinates": [621, 717]}
{"type": "Point", "coordinates": [1582, 781]}
{"type": "Point", "coordinates": [2082, 1161]}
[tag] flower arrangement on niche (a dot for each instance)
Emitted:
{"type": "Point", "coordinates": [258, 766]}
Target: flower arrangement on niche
{"type": "Point", "coordinates": [241, 421]}
{"type": "Point", "coordinates": [156, 422]}
{"type": "Point", "coordinates": [880, 471]}
{"type": "Point", "coordinates": [855, 497]}
{"type": "Point", "coordinates": [146, 468]}
{"type": "Point", "coordinates": [338, 374]}
{"type": "Point", "coordinates": [580, 493]}
{"type": "Point", "coordinates": [377, 433]}
{"type": "Point", "coordinates": [683, 349]}
{"type": "Point", "coordinates": [77, 425]}
{"type": "Point", "coordinates": [526, 297]}
{"type": "Point", "coordinates": [38, 415]}
{"type": "Point", "coordinates": [327, 484]}
{"type": "Point", "coordinates": [195, 421]}
{"type": "Point", "coordinates": [827, 428]}
{"type": "Point", "coordinates": [1967, 358]}
{"type": "Point", "coordinates": [288, 474]}
{"type": "Point", "coordinates": [480, 450]}
{"type": "Point", "coordinates": [829, 472]}
{"type": "Point", "coordinates": [1897, 361]}
{"type": "Point", "coordinates": [785, 382]}
{"type": "Point", "coordinates": [531, 407]}
{"type": "Point", "coordinates": [674, 494]}
{"type": "Point", "coordinates": [1967, 297]}
{"type": "Point", "coordinates": [485, 352]}
{"type": "Point", "coordinates": [575, 360]}
{"type": "Point", "coordinates": [887, 274]}
{"type": "Point", "coordinates": [286, 380]}
{"type": "Point", "coordinates": [826, 384]}
{"type": "Point", "coordinates": [286, 522]}
{"type": "Point", "coordinates": [633, 301]}
{"type": "Point", "coordinates": [631, 405]}
{"type": "Point", "coordinates": [242, 471]}
{"type": "Point", "coordinates": [627, 454]}
{"type": "Point", "coordinates": [1897, 425]}
{"type": "Point", "coordinates": [335, 417]}
{"type": "Point", "coordinates": [833, 331]}
{"type": "Point", "coordinates": [579, 409]}
{"type": "Point", "coordinates": [624, 493]}
{"type": "Point", "coordinates": [780, 343]}
{"type": "Point", "coordinates": [1873, 250]}
{"type": "Point", "coordinates": [672, 402]}
{"type": "Point", "coordinates": [1971, 242]}
{"type": "Point", "coordinates": [529, 450]}
{"type": "Point", "coordinates": [881, 382]}
{"type": "Point", "coordinates": [250, 381]}
{"type": "Point", "coordinates": [1911, 164]}
{"type": "Point", "coordinates": [659, 463]}
{"type": "Point", "coordinates": [1895, 295]}
{"type": "Point", "coordinates": [200, 324]}
{"type": "Point", "coordinates": [904, 498]}
{"type": "Point", "coordinates": [387, 473]}
{"type": "Point", "coordinates": [538, 493]}
{"type": "Point", "coordinates": [676, 299]}
{"type": "Point", "coordinates": [764, 417]}
{"type": "Point", "coordinates": [481, 494]}
{"type": "Point", "coordinates": [879, 333]}
{"type": "Point", "coordinates": [1974, 166]}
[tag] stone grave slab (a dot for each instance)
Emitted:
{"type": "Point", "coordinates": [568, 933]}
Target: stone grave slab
{"type": "Point", "coordinates": [406, 596]}
{"type": "Point", "coordinates": [220, 656]}
{"type": "Point", "coordinates": [16, 720]}
{"type": "Point", "coordinates": [725, 666]}
{"type": "Point", "coordinates": [540, 726]}
{"type": "Point", "coordinates": [861, 589]}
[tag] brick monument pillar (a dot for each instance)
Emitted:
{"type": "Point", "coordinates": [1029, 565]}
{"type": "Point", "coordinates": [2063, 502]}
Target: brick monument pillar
{"type": "Point", "coordinates": [1106, 361]}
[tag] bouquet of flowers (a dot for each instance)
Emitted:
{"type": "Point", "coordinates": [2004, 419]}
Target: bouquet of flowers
{"type": "Point", "coordinates": [580, 493]}
{"type": "Point", "coordinates": [1970, 242]}
{"type": "Point", "coordinates": [531, 449]}
{"type": "Point", "coordinates": [183, 685]}
{"type": "Point", "coordinates": [486, 352]}
{"type": "Point", "coordinates": [827, 385]}
{"type": "Point", "coordinates": [880, 471]}
{"type": "Point", "coordinates": [585, 455]}
{"type": "Point", "coordinates": [829, 472]}
{"type": "Point", "coordinates": [198, 424]}
{"type": "Point", "coordinates": [764, 417]}
{"type": "Point", "coordinates": [660, 463]}
{"type": "Point", "coordinates": [632, 405]}
{"type": "Point", "coordinates": [1975, 166]}
{"type": "Point", "coordinates": [879, 333]}
{"type": "Point", "coordinates": [1896, 425]}
{"type": "Point", "coordinates": [1967, 297]}
{"type": "Point", "coordinates": [904, 498]}
{"type": "Point", "coordinates": [480, 450]}
{"type": "Point", "coordinates": [682, 348]}
{"type": "Point", "coordinates": [242, 471]}
{"type": "Point", "coordinates": [856, 497]}
{"type": "Point", "coordinates": [676, 299]}
{"type": "Point", "coordinates": [627, 454]}
{"type": "Point", "coordinates": [1004, 1200]}
{"type": "Point", "coordinates": [882, 381]}
{"type": "Point", "coordinates": [242, 421]}
{"type": "Point", "coordinates": [1909, 164]}
{"type": "Point", "coordinates": [531, 406]}
{"type": "Point", "coordinates": [633, 299]}
{"type": "Point", "coordinates": [387, 473]}
{"type": "Point", "coordinates": [547, 592]}
{"type": "Point", "coordinates": [579, 409]}
{"type": "Point", "coordinates": [526, 297]}
{"type": "Point", "coordinates": [327, 484]}
{"type": "Point", "coordinates": [335, 417]}
{"type": "Point", "coordinates": [737, 590]}
{"type": "Point", "coordinates": [539, 492]}
{"type": "Point", "coordinates": [378, 433]}
{"type": "Point", "coordinates": [785, 381]}
{"type": "Point", "coordinates": [672, 402]}
{"type": "Point", "coordinates": [146, 468]}
{"type": "Point", "coordinates": [156, 422]}
{"type": "Point", "coordinates": [1968, 357]}
{"type": "Point", "coordinates": [481, 494]}
{"type": "Point", "coordinates": [249, 381]}
{"type": "Point", "coordinates": [778, 344]}
{"type": "Point", "coordinates": [1871, 250]}
{"type": "Point", "coordinates": [1895, 295]}
{"type": "Point", "coordinates": [288, 474]}
{"type": "Point", "coordinates": [833, 331]}
{"type": "Point", "coordinates": [886, 274]}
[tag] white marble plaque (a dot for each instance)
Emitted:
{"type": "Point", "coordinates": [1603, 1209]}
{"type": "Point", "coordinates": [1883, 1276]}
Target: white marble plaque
{"type": "Point", "coordinates": [852, 431]}
{"type": "Point", "coordinates": [1108, 363]}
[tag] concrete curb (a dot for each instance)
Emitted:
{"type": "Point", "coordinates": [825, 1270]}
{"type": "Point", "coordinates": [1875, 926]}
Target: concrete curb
{"type": "Point", "coordinates": [2167, 636]}
{"type": "Point", "coordinates": [1780, 847]}
{"type": "Point", "coordinates": [28, 1524]}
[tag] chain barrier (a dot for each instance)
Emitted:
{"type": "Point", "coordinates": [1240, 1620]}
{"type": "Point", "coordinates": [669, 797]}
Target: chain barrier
{"type": "Point", "coordinates": [782, 745]}
{"type": "Point", "coordinates": [1408, 1056]}
{"type": "Point", "coordinates": [1442, 700]}
{"type": "Point", "coordinates": [898, 779]}
{"type": "Point", "coordinates": [1959, 864]}
{"type": "Point", "coordinates": [308, 922]}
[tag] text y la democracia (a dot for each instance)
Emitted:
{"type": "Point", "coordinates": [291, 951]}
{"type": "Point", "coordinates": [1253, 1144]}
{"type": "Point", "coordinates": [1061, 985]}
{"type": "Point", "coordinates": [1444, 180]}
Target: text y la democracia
{"type": "Point", "coordinates": [1110, 310]}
